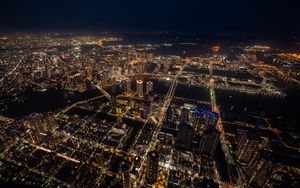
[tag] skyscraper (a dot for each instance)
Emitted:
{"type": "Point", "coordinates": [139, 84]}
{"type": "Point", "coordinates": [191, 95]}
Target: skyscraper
{"type": "Point", "coordinates": [152, 166]}
{"type": "Point", "coordinates": [128, 87]}
{"type": "Point", "coordinates": [139, 88]}
{"type": "Point", "coordinates": [170, 114]}
{"type": "Point", "coordinates": [185, 136]}
{"type": "Point", "coordinates": [149, 87]}
{"type": "Point", "coordinates": [184, 117]}
{"type": "Point", "coordinates": [211, 119]}
{"type": "Point", "coordinates": [198, 116]}
{"type": "Point", "coordinates": [208, 142]}
{"type": "Point", "coordinates": [197, 120]}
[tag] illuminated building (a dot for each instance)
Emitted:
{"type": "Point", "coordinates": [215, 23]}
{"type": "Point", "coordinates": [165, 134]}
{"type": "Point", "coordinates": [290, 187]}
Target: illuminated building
{"type": "Point", "coordinates": [149, 87]}
{"type": "Point", "coordinates": [170, 114]}
{"type": "Point", "coordinates": [118, 110]}
{"type": "Point", "coordinates": [197, 119]}
{"type": "Point", "coordinates": [215, 49]}
{"type": "Point", "coordinates": [144, 114]}
{"type": "Point", "coordinates": [211, 119]}
{"type": "Point", "coordinates": [136, 163]}
{"type": "Point", "coordinates": [152, 166]}
{"type": "Point", "coordinates": [208, 143]}
{"type": "Point", "coordinates": [132, 104]}
{"type": "Point", "coordinates": [89, 73]}
{"type": "Point", "coordinates": [125, 169]}
{"type": "Point", "coordinates": [247, 147]}
{"type": "Point", "coordinates": [258, 171]}
{"type": "Point", "coordinates": [185, 136]}
{"type": "Point", "coordinates": [202, 119]}
{"type": "Point", "coordinates": [147, 109]}
{"type": "Point", "coordinates": [184, 117]}
{"type": "Point", "coordinates": [41, 124]}
{"type": "Point", "coordinates": [139, 88]}
{"type": "Point", "coordinates": [111, 71]}
{"type": "Point", "coordinates": [128, 87]}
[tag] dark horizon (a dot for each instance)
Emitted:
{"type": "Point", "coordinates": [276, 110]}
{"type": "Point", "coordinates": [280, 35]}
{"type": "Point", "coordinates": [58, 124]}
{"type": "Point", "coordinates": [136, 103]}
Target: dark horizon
{"type": "Point", "coordinates": [254, 17]}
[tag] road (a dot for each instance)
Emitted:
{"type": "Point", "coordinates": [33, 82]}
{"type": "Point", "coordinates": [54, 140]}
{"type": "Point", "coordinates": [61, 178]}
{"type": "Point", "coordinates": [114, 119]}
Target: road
{"type": "Point", "coordinates": [77, 103]}
{"type": "Point", "coordinates": [103, 91]}
{"type": "Point", "coordinates": [153, 140]}
{"type": "Point", "coordinates": [13, 70]}
{"type": "Point", "coordinates": [223, 141]}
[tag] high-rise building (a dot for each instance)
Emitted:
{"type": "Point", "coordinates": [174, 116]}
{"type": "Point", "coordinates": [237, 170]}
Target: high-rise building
{"type": "Point", "coordinates": [125, 170]}
{"type": "Point", "coordinates": [211, 119]}
{"type": "Point", "coordinates": [139, 88]}
{"type": "Point", "coordinates": [170, 114]}
{"type": "Point", "coordinates": [89, 73]}
{"type": "Point", "coordinates": [247, 147]}
{"type": "Point", "coordinates": [149, 87]}
{"type": "Point", "coordinates": [208, 143]}
{"type": "Point", "coordinates": [197, 120]}
{"type": "Point", "coordinates": [128, 87]}
{"type": "Point", "coordinates": [147, 108]}
{"type": "Point", "coordinates": [184, 117]}
{"type": "Point", "coordinates": [185, 136]}
{"type": "Point", "coordinates": [152, 166]}
{"type": "Point", "coordinates": [202, 119]}
{"type": "Point", "coordinates": [204, 116]}
{"type": "Point", "coordinates": [198, 116]}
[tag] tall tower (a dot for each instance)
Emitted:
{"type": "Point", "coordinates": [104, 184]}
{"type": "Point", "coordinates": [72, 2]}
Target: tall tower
{"type": "Point", "coordinates": [184, 117]}
{"type": "Point", "coordinates": [185, 136]}
{"type": "Point", "coordinates": [149, 87]}
{"type": "Point", "coordinates": [139, 88]}
{"type": "Point", "coordinates": [211, 119]}
{"type": "Point", "coordinates": [152, 167]}
{"type": "Point", "coordinates": [128, 87]}
{"type": "Point", "coordinates": [208, 142]}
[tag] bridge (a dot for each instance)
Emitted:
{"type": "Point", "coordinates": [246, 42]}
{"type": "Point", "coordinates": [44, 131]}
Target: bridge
{"type": "Point", "coordinates": [77, 103]}
{"type": "Point", "coordinates": [103, 91]}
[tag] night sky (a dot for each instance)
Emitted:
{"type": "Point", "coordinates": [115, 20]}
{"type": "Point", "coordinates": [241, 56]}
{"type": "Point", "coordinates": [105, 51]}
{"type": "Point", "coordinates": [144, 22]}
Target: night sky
{"type": "Point", "coordinates": [197, 16]}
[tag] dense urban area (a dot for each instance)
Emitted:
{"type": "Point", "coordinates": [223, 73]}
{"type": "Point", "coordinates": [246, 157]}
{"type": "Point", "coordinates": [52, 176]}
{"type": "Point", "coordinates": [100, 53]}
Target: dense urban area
{"type": "Point", "coordinates": [107, 111]}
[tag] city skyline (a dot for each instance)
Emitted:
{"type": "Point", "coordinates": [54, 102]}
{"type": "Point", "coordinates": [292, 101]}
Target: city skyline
{"type": "Point", "coordinates": [149, 94]}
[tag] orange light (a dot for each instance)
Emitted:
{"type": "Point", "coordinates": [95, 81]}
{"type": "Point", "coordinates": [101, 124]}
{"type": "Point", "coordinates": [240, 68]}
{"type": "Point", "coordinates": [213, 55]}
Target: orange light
{"type": "Point", "coordinates": [215, 49]}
